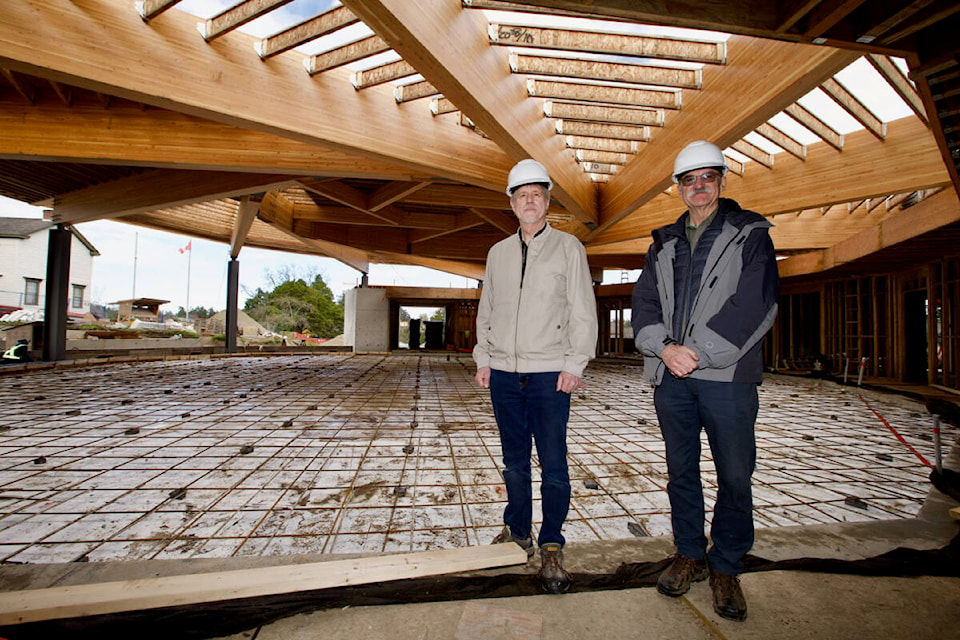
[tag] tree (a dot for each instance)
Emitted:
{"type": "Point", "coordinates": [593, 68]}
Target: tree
{"type": "Point", "coordinates": [294, 305]}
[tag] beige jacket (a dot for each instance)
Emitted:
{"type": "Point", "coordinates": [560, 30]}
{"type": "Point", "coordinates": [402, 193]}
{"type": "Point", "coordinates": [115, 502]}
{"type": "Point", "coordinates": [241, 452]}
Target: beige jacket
{"type": "Point", "coordinates": [547, 324]}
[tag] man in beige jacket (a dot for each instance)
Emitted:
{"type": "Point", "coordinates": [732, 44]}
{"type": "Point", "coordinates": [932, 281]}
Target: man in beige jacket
{"type": "Point", "coordinates": [536, 331]}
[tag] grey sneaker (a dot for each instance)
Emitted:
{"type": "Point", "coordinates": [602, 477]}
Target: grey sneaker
{"type": "Point", "coordinates": [553, 577]}
{"type": "Point", "coordinates": [505, 536]}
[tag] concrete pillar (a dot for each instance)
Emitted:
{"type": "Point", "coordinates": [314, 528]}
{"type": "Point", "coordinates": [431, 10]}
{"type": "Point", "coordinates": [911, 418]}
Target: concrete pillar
{"type": "Point", "coordinates": [233, 286]}
{"type": "Point", "coordinates": [55, 305]}
{"type": "Point", "coordinates": [366, 320]}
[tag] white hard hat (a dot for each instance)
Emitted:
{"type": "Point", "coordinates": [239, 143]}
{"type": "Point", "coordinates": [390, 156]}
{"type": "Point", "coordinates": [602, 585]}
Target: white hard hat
{"type": "Point", "coordinates": [527, 172]}
{"type": "Point", "coordinates": [698, 155]}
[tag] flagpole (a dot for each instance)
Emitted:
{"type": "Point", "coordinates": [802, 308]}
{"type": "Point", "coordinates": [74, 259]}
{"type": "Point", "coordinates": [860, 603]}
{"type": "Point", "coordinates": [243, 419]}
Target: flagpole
{"type": "Point", "coordinates": [136, 242]}
{"type": "Point", "coordinates": [189, 260]}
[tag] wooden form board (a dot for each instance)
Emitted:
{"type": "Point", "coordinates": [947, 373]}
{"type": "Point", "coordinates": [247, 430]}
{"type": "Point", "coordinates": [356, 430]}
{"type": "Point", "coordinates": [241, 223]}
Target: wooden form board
{"type": "Point", "coordinates": [18, 607]}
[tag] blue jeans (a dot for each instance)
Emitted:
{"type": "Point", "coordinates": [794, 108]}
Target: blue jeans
{"type": "Point", "coordinates": [528, 409]}
{"type": "Point", "coordinates": [727, 411]}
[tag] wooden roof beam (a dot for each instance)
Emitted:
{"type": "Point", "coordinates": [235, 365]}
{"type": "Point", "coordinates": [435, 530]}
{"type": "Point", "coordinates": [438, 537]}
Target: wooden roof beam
{"type": "Point", "coordinates": [906, 160]}
{"type": "Point", "coordinates": [278, 211]}
{"type": "Point", "coordinates": [900, 83]}
{"type": "Point", "coordinates": [306, 31]}
{"type": "Point", "coordinates": [26, 90]}
{"type": "Point", "coordinates": [366, 123]}
{"type": "Point", "coordinates": [602, 130]}
{"type": "Point", "coordinates": [464, 269]}
{"type": "Point", "coordinates": [349, 197]}
{"type": "Point", "coordinates": [381, 74]}
{"type": "Point", "coordinates": [157, 189]}
{"type": "Point", "coordinates": [782, 140]}
{"type": "Point", "coordinates": [826, 14]}
{"type": "Point", "coordinates": [608, 43]}
{"type": "Point", "coordinates": [849, 103]}
{"type": "Point", "coordinates": [769, 76]}
{"type": "Point", "coordinates": [928, 215]}
{"type": "Point", "coordinates": [753, 152]}
{"type": "Point", "coordinates": [161, 138]}
{"type": "Point", "coordinates": [643, 74]}
{"type": "Point", "coordinates": [392, 193]}
{"type": "Point", "coordinates": [237, 16]}
{"type": "Point", "coordinates": [414, 91]}
{"type": "Point", "coordinates": [502, 221]}
{"type": "Point", "coordinates": [150, 9]}
{"type": "Point", "coordinates": [607, 114]}
{"type": "Point", "coordinates": [433, 37]}
{"type": "Point", "coordinates": [594, 143]}
{"type": "Point", "coordinates": [247, 209]}
{"type": "Point", "coordinates": [607, 157]}
{"type": "Point", "coordinates": [817, 126]}
{"type": "Point", "coordinates": [462, 221]}
{"type": "Point", "coordinates": [608, 94]}
{"type": "Point", "coordinates": [364, 48]}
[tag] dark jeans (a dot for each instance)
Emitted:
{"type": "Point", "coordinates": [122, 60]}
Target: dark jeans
{"type": "Point", "coordinates": [529, 409]}
{"type": "Point", "coordinates": [727, 411]}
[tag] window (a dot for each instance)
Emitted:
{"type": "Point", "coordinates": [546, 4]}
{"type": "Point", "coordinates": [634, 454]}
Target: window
{"type": "Point", "coordinates": [76, 301]}
{"type": "Point", "coordinates": [31, 292]}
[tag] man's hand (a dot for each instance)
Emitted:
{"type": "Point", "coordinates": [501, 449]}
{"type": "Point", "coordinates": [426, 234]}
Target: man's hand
{"type": "Point", "coordinates": [483, 377]}
{"type": "Point", "coordinates": [681, 361]}
{"type": "Point", "coordinates": [567, 382]}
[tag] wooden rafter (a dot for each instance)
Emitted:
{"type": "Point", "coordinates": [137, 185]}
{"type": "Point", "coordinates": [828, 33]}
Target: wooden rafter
{"type": "Point", "coordinates": [754, 152]}
{"type": "Point", "coordinates": [607, 114]}
{"type": "Point", "coordinates": [854, 107]}
{"type": "Point", "coordinates": [381, 74]}
{"type": "Point", "coordinates": [608, 94]}
{"type": "Point", "coordinates": [601, 130]}
{"type": "Point", "coordinates": [24, 88]}
{"type": "Point", "coordinates": [608, 43]}
{"type": "Point", "coordinates": [364, 48]}
{"type": "Point", "coordinates": [900, 83]}
{"type": "Point", "coordinates": [480, 85]}
{"type": "Point", "coordinates": [150, 9]}
{"type": "Point", "coordinates": [306, 31]}
{"type": "Point", "coordinates": [367, 122]}
{"type": "Point", "coordinates": [237, 16]}
{"type": "Point", "coordinates": [602, 144]}
{"type": "Point", "coordinates": [608, 157]}
{"type": "Point", "coordinates": [817, 126]}
{"type": "Point", "coordinates": [157, 189]}
{"type": "Point", "coordinates": [644, 74]}
{"type": "Point", "coordinates": [164, 138]}
{"type": "Point", "coordinates": [782, 140]}
{"type": "Point", "coordinates": [414, 91]}
{"type": "Point", "coordinates": [349, 197]}
{"type": "Point", "coordinates": [247, 209]}
{"type": "Point", "coordinates": [722, 116]}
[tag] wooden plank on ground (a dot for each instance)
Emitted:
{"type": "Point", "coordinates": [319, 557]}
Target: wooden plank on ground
{"type": "Point", "coordinates": [17, 607]}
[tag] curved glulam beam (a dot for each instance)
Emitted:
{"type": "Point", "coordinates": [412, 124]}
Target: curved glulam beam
{"type": "Point", "coordinates": [760, 79]}
{"type": "Point", "coordinates": [107, 48]}
{"type": "Point", "coordinates": [450, 47]}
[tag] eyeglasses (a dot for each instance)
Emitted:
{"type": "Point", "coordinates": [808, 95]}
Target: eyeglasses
{"type": "Point", "coordinates": [707, 178]}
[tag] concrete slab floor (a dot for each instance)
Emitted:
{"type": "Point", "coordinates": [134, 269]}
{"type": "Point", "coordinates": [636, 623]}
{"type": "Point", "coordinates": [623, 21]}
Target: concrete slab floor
{"type": "Point", "coordinates": [337, 453]}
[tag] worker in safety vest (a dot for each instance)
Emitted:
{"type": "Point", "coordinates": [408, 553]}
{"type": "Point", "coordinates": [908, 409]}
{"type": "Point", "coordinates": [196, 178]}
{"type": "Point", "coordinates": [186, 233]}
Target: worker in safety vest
{"type": "Point", "coordinates": [19, 352]}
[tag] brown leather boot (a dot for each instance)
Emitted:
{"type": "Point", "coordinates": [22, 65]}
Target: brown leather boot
{"type": "Point", "coordinates": [553, 577]}
{"type": "Point", "coordinates": [728, 600]}
{"type": "Point", "coordinates": [682, 572]}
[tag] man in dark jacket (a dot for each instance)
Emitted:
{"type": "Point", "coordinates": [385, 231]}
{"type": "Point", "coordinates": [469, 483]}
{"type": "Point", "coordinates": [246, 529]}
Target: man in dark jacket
{"type": "Point", "coordinates": [706, 297]}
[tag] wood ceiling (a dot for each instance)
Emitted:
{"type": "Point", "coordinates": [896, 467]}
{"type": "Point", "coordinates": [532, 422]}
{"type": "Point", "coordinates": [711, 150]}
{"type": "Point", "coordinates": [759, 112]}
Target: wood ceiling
{"type": "Point", "coordinates": [126, 110]}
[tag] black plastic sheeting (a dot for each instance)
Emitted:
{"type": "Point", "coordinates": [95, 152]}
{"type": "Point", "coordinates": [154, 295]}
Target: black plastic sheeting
{"type": "Point", "coordinates": [217, 619]}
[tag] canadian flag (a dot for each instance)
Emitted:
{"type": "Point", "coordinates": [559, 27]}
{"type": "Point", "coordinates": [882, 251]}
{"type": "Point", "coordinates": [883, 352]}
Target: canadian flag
{"type": "Point", "coordinates": [186, 248]}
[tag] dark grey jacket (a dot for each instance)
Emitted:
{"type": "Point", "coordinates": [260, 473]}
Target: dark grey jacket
{"type": "Point", "coordinates": [727, 289]}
